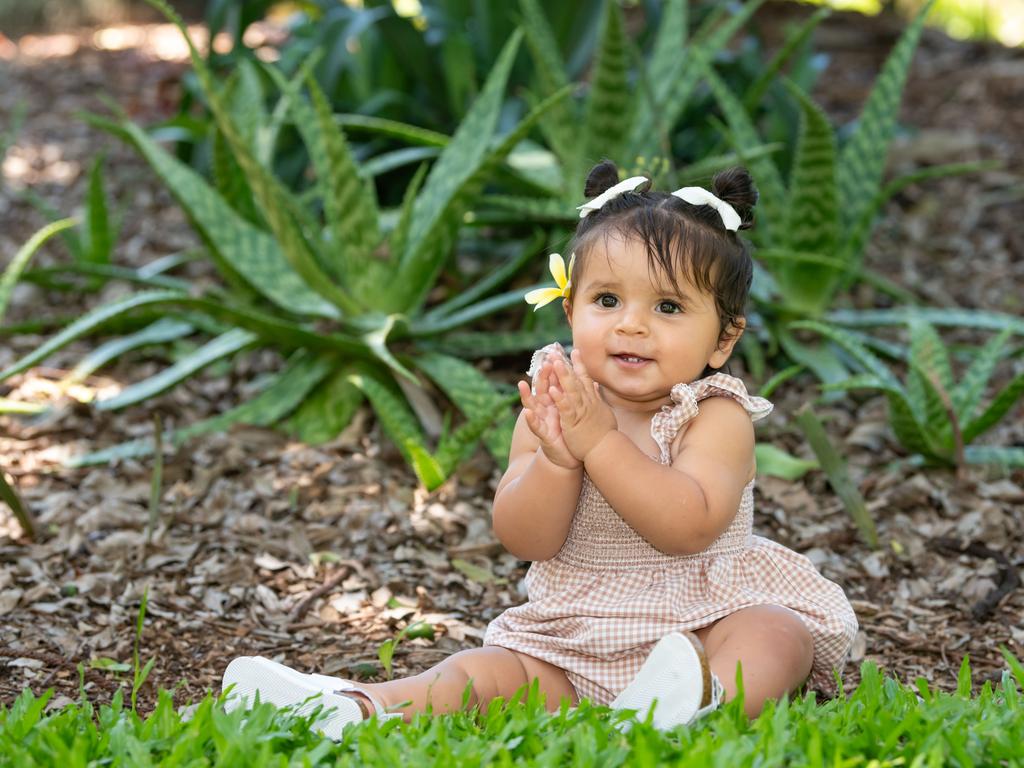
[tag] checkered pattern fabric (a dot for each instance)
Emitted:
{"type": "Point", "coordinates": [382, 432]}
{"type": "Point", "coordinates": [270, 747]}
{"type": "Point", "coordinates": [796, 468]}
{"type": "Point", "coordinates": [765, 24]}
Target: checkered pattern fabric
{"type": "Point", "coordinates": [597, 608]}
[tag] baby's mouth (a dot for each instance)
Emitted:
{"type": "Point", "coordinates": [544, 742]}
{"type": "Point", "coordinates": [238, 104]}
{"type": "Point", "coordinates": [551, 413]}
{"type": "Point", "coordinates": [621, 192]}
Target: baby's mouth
{"type": "Point", "coordinates": [633, 360]}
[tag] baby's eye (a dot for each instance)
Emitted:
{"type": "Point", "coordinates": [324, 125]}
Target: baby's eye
{"type": "Point", "coordinates": [607, 300]}
{"type": "Point", "coordinates": [669, 307]}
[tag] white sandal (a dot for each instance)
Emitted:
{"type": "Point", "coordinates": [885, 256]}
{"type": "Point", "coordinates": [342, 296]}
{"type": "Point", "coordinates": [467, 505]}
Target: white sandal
{"type": "Point", "coordinates": [675, 681]}
{"type": "Point", "coordinates": [283, 686]}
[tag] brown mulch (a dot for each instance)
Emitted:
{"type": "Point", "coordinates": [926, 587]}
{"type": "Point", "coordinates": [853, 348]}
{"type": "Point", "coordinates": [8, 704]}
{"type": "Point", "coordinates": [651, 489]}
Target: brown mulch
{"type": "Point", "coordinates": [316, 555]}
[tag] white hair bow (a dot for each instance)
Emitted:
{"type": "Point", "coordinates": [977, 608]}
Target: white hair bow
{"type": "Point", "coordinates": [700, 196]}
{"type": "Point", "coordinates": [628, 185]}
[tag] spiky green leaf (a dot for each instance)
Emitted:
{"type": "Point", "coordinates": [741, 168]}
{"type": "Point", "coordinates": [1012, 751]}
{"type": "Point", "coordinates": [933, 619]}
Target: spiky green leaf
{"type": "Point", "coordinates": [967, 394]}
{"type": "Point", "coordinates": [327, 410]}
{"type": "Point", "coordinates": [999, 406]}
{"type": "Point", "coordinates": [162, 331]}
{"type": "Point", "coordinates": [608, 108]}
{"type": "Point", "coordinates": [225, 345]}
{"type": "Point", "coordinates": [21, 259]}
{"type": "Point", "coordinates": [862, 160]}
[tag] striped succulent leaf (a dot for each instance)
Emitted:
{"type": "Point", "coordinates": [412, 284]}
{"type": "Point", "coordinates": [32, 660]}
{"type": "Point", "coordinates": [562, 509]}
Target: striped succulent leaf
{"type": "Point", "coordinates": [455, 447]}
{"type": "Point", "coordinates": [11, 499]}
{"type": "Point", "coordinates": [230, 182]}
{"type": "Point", "coordinates": [744, 134]}
{"type": "Point", "coordinates": [12, 273]}
{"type": "Point", "coordinates": [277, 205]}
{"type": "Point", "coordinates": [399, 424]}
{"type": "Point", "coordinates": [162, 331]}
{"type": "Point", "coordinates": [652, 120]}
{"type": "Point", "coordinates": [908, 430]}
{"type": "Point", "coordinates": [421, 273]}
{"type": "Point", "coordinates": [238, 247]}
{"type": "Point", "coordinates": [98, 233]}
{"type": "Point", "coordinates": [534, 209]}
{"type": "Point", "coordinates": [561, 125]}
{"type": "Point", "coordinates": [350, 203]}
{"type": "Point", "coordinates": [967, 394]}
{"type": "Point", "coordinates": [812, 222]}
{"type": "Point", "coordinates": [394, 129]}
{"type": "Point", "coordinates": [286, 392]}
{"type": "Point", "coordinates": [608, 108]}
{"type": "Point", "coordinates": [244, 99]}
{"type": "Point", "coordinates": [999, 406]}
{"type": "Point", "coordinates": [994, 455]}
{"type": "Point", "coordinates": [476, 345]}
{"type": "Point", "coordinates": [225, 345]}
{"type": "Point", "coordinates": [863, 158]}
{"type": "Point", "coordinates": [932, 407]}
{"type": "Point", "coordinates": [962, 318]}
{"type": "Point", "coordinates": [871, 363]}
{"type": "Point", "coordinates": [400, 234]}
{"type": "Point", "coordinates": [795, 40]}
{"type": "Point", "coordinates": [435, 206]}
{"type": "Point", "coordinates": [474, 395]}
{"type": "Point", "coordinates": [327, 409]}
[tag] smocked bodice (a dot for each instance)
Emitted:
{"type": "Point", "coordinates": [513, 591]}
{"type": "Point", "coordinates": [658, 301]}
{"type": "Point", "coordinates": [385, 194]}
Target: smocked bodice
{"type": "Point", "coordinates": [601, 540]}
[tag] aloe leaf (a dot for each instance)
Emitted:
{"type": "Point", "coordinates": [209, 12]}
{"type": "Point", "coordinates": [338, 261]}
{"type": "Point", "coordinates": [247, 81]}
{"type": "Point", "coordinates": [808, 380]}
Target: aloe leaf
{"type": "Point", "coordinates": [821, 359]}
{"type": "Point", "coordinates": [421, 272]}
{"type": "Point", "coordinates": [860, 381]}
{"type": "Point", "coordinates": [350, 205]}
{"type": "Point", "coordinates": [780, 378]}
{"type": "Point", "coordinates": [21, 259]}
{"type": "Point", "coordinates": [472, 313]}
{"type": "Point", "coordinates": [813, 220]}
{"type": "Point", "coordinates": [98, 234]}
{"type": "Point", "coordinates": [795, 39]}
{"type": "Point", "coordinates": [376, 340]}
{"type": "Point", "coordinates": [744, 134]}
{"type": "Point", "coordinates": [224, 345]}
{"type": "Point", "coordinates": [285, 393]}
{"type": "Point", "coordinates": [230, 181]}
{"type": "Point", "coordinates": [858, 231]}
{"type": "Point", "coordinates": [861, 353]}
{"type": "Point", "coordinates": [162, 331]}
{"type": "Point", "coordinates": [775, 462]}
{"type": "Point", "coordinates": [673, 89]}
{"type": "Point", "coordinates": [275, 204]}
{"type": "Point", "coordinates": [393, 129]}
{"type": "Point", "coordinates": [8, 406]}
{"type": "Point", "coordinates": [399, 424]}
{"type": "Point", "coordinates": [327, 410]}
{"type": "Point", "coordinates": [962, 318]}
{"type": "Point", "coordinates": [698, 172]}
{"type": "Point", "coordinates": [933, 409]}
{"type": "Point", "coordinates": [837, 474]}
{"type": "Point", "coordinates": [929, 353]}
{"type": "Point", "coordinates": [457, 446]}
{"type": "Point", "coordinates": [1002, 403]}
{"type": "Point", "coordinates": [240, 249]}
{"type": "Point", "coordinates": [560, 125]}
{"type": "Point", "coordinates": [906, 426]}
{"type": "Point", "coordinates": [534, 209]}
{"type": "Point", "coordinates": [285, 335]}
{"type": "Point", "coordinates": [862, 160]}
{"type": "Point", "coordinates": [608, 111]}
{"type": "Point", "coordinates": [400, 234]}
{"type": "Point", "coordinates": [475, 396]}
{"type": "Point", "coordinates": [994, 455]}
{"type": "Point", "coordinates": [399, 158]}
{"type": "Point", "coordinates": [493, 280]}
{"type": "Point", "coordinates": [967, 394]}
{"type": "Point", "coordinates": [460, 161]}
{"type": "Point", "coordinates": [476, 345]}
{"type": "Point", "coordinates": [11, 499]}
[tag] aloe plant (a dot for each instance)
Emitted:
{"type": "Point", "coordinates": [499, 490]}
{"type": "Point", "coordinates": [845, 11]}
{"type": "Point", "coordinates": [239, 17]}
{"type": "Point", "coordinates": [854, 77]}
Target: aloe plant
{"type": "Point", "coordinates": [343, 300]}
{"type": "Point", "coordinates": [932, 415]}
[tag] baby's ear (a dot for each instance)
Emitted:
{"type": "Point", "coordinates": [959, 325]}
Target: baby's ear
{"type": "Point", "coordinates": [567, 308]}
{"type": "Point", "coordinates": [727, 341]}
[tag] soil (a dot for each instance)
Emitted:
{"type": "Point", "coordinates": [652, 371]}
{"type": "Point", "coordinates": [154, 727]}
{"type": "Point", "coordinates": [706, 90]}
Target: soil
{"type": "Point", "coordinates": [317, 555]}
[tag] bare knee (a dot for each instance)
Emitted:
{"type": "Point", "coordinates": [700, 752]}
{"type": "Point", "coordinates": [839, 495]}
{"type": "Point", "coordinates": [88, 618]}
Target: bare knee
{"type": "Point", "coordinates": [491, 671]}
{"type": "Point", "coordinates": [766, 630]}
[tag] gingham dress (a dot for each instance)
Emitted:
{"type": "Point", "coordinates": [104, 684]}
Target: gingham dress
{"type": "Point", "coordinates": [597, 607]}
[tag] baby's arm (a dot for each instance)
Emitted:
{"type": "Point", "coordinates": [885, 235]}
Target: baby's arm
{"type": "Point", "coordinates": [680, 509]}
{"type": "Point", "coordinates": [535, 500]}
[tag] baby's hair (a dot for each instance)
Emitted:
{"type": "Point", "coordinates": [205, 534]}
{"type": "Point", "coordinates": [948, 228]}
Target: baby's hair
{"type": "Point", "coordinates": [677, 235]}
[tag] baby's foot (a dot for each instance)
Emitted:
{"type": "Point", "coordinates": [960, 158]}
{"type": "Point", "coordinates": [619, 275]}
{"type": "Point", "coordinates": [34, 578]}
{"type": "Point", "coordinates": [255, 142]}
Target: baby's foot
{"type": "Point", "coordinates": [342, 703]}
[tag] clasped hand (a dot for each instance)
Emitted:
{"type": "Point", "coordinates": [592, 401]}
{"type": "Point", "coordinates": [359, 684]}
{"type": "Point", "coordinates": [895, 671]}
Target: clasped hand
{"type": "Point", "coordinates": [567, 414]}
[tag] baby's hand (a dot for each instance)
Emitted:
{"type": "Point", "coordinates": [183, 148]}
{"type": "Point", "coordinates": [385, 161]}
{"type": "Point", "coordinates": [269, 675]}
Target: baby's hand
{"type": "Point", "coordinates": [584, 417]}
{"type": "Point", "coordinates": [542, 419]}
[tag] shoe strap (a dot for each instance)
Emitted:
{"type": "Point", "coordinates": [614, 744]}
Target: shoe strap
{"type": "Point", "coordinates": [380, 711]}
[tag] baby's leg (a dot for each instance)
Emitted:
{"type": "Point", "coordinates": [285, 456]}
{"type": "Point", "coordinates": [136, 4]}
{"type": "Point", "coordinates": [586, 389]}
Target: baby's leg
{"type": "Point", "coordinates": [772, 643]}
{"type": "Point", "coordinates": [494, 671]}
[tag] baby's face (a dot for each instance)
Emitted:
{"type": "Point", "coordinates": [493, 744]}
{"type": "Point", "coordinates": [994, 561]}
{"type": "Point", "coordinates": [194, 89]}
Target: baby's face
{"type": "Point", "coordinates": [638, 336]}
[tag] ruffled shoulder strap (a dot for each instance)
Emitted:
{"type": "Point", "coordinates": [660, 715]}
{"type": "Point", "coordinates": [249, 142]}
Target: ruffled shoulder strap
{"type": "Point", "coordinates": [538, 360]}
{"type": "Point", "coordinates": [670, 418]}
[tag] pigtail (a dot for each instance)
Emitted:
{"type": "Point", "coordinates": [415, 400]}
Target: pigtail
{"type": "Point", "coordinates": [602, 176]}
{"type": "Point", "coordinates": [736, 187]}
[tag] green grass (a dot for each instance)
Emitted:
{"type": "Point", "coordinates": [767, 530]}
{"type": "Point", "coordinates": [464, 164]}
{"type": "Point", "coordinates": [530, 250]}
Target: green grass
{"type": "Point", "coordinates": [882, 723]}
